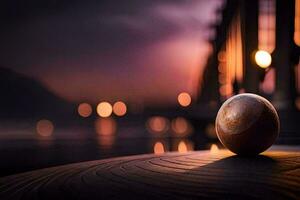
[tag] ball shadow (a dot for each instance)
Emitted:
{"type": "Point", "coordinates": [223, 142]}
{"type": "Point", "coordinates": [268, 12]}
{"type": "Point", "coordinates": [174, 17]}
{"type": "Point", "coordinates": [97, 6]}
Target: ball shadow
{"type": "Point", "coordinates": [237, 177]}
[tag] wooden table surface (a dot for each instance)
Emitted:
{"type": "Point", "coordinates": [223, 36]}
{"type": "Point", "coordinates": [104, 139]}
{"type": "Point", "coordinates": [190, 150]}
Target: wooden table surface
{"type": "Point", "coordinates": [195, 175]}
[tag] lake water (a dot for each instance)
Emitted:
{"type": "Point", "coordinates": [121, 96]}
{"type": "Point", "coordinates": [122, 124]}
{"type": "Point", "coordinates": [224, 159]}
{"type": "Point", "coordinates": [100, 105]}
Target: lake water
{"type": "Point", "coordinates": [23, 149]}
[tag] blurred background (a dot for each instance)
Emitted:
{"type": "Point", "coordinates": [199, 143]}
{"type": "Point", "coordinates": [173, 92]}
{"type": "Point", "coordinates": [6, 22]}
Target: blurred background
{"type": "Point", "coordinates": [85, 80]}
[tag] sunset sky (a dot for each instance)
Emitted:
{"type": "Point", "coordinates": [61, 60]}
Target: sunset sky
{"type": "Point", "coordinates": [144, 50]}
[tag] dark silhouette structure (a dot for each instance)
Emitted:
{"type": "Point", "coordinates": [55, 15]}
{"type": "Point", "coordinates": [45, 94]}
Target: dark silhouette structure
{"type": "Point", "coordinates": [23, 97]}
{"type": "Point", "coordinates": [231, 68]}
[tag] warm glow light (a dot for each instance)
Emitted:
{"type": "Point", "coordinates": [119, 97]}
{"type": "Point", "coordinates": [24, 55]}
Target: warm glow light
{"type": "Point", "coordinates": [44, 128]}
{"type": "Point", "coordinates": [104, 109]}
{"type": "Point", "coordinates": [267, 25]}
{"type": "Point", "coordinates": [297, 23]}
{"type": "Point", "coordinates": [106, 142]}
{"type": "Point", "coordinates": [214, 149]}
{"type": "Point", "coordinates": [184, 99]}
{"type": "Point", "coordinates": [226, 90]}
{"type": "Point", "coordinates": [263, 59]}
{"type": "Point", "coordinates": [105, 126]}
{"type": "Point", "coordinates": [84, 110]}
{"type": "Point", "coordinates": [181, 126]}
{"type": "Point", "coordinates": [158, 148]}
{"type": "Point", "coordinates": [268, 84]}
{"type": "Point", "coordinates": [157, 124]}
{"type": "Point", "coordinates": [222, 56]}
{"type": "Point", "coordinates": [182, 147]}
{"type": "Point", "coordinates": [230, 59]}
{"type": "Point", "coordinates": [119, 108]}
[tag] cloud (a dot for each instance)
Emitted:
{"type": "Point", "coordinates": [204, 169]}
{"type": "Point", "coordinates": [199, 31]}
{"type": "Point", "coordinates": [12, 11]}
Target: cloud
{"type": "Point", "coordinates": [124, 44]}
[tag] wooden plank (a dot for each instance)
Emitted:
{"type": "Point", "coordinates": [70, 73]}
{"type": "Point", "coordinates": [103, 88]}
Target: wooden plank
{"type": "Point", "coordinates": [272, 175]}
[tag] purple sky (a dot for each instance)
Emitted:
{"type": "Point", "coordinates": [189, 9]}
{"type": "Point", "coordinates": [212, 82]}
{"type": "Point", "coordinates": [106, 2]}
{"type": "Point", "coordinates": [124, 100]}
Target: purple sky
{"type": "Point", "coordinates": [108, 50]}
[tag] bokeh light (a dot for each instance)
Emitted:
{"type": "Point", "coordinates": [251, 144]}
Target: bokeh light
{"type": "Point", "coordinates": [119, 108]}
{"type": "Point", "coordinates": [222, 56]}
{"type": "Point", "coordinates": [226, 90]}
{"type": "Point", "coordinates": [182, 147]}
{"type": "Point", "coordinates": [158, 148]}
{"type": "Point", "coordinates": [297, 23]}
{"type": "Point", "coordinates": [105, 126]}
{"type": "Point", "coordinates": [184, 99]}
{"type": "Point", "coordinates": [104, 109]}
{"type": "Point", "coordinates": [181, 126]}
{"type": "Point", "coordinates": [263, 59]}
{"type": "Point", "coordinates": [84, 110]}
{"type": "Point", "coordinates": [44, 128]}
{"type": "Point", "coordinates": [214, 149]}
{"type": "Point", "coordinates": [157, 124]}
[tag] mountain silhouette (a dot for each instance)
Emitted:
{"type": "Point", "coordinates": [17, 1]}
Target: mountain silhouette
{"type": "Point", "coordinates": [24, 97]}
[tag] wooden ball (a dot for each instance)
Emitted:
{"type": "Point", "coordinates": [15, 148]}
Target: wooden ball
{"type": "Point", "coordinates": [247, 124]}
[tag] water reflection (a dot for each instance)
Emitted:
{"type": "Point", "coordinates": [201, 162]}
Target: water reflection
{"type": "Point", "coordinates": [106, 142]}
{"type": "Point", "coordinates": [105, 126]}
{"type": "Point", "coordinates": [96, 139]}
{"type": "Point", "coordinates": [106, 130]}
{"type": "Point", "coordinates": [45, 142]}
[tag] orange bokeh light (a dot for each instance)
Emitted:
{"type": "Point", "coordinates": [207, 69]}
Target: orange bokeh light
{"type": "Point", "coordinates": [184, 99]}
{"type": "Point", "coordinates": [104, 109]}
{"type": "Point", "coordinates": [158, 148]}
{"type": "Point", "coordinates": [84, 110]}
{"type": "Point", "coordinates": [263, 58]}
{"type": "Point", "coordinates": [297, 23]}
{"type": "Point", "coordinates": [157, 124]}
{"type": "Point", "coordinates": [182, 147]}
{"type": "Point", "coordinates": [44, 128]}
{"type": "Point", "coordinates": [106, 142]}
{"type": "Point", "coordinates": [214, 149]}
{"type": "Point", "coordinates": [105, 126]}
{"type": "Point", "coordinates": [222, 56]}
{"type": "Point", "coordinates": [119, 108]}
{"type": "Point", "coordinates": [181, 126]}
{"type": "Point", "coordinates": [226, 90]}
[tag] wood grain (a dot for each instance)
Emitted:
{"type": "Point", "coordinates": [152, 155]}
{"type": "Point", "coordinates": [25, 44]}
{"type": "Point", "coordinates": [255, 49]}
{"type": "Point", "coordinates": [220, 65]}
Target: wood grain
{"type": "Point", "coordinates": [194, 175]}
